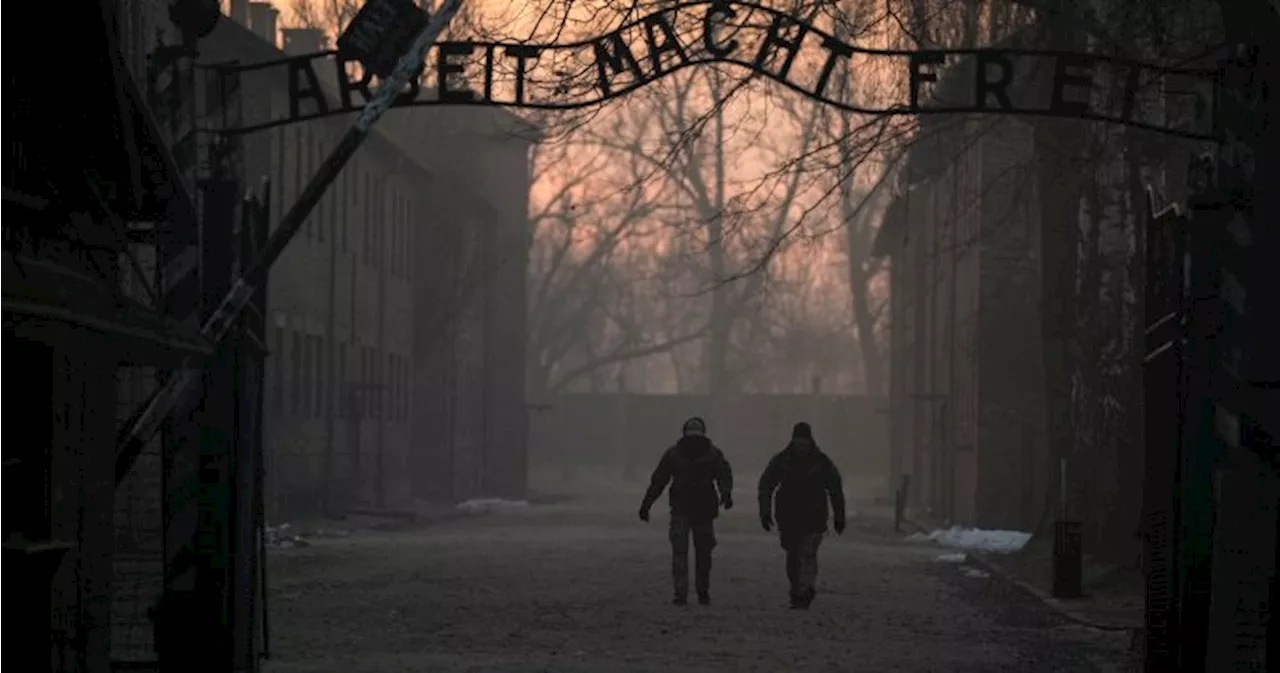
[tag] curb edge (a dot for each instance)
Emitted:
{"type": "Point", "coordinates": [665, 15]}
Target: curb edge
{"type": "Point", "coordinates": [1052, 603]}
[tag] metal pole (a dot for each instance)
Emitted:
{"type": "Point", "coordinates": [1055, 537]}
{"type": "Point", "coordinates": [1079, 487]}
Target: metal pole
{"type": "Point", "coordinates": [146, 421]}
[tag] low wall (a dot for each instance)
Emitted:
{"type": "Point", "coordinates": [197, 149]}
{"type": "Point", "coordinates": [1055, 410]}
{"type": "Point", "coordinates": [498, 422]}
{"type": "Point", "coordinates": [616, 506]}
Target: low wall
{"type": "Point", "coordinates": [629, 432]}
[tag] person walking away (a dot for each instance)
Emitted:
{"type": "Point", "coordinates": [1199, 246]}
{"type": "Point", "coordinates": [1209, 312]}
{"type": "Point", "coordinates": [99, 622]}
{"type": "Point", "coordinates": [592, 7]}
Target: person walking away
{"type": "Point", "coordinates": [796, 486]}
{"type": "Point", "coordinates": [701, 482]}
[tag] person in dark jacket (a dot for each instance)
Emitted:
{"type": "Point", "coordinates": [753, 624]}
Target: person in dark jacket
{"type": "Point", "coordinates": [796, 485]}
{"type": "Point", "coordinates": [701, 482]}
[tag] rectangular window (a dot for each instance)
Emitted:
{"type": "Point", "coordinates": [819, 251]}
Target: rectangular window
{"type": "Point", "coordinates": [358, 410]}
{"type": "Point", "coordinates": [371, 392]}
{"type": "Point", "coordinates": [378, 205]}
{"type": "Point", "coordinates": [339, 379]}
{"type": "Point", "coordinates": [354, 174]}
{"type": "Point", "coordinates": [277, 365]}
{"type": "Point", "coordinates": [401, 227]}
{"type": "Point", "coordinates": [344, 194]}
{"type": "Point", "coordinates": [323, 206]}
{"type": "Point", "coordinates": [277, 177]}
{"type": "Point", "coordinates": [409, 237]}
{"type": "Point", "coordinates": [299, 151]}
{"type": "Point", "coordinates": [398, 387]}
{"type": "Point", "coordinates": [389, 384]}
{"type": "Point", "coordinates": [322, 367]}
{"type": "Point", "coordinates": [308, 375]}
{"type": "Point", "coordinates": [395, 239]}
{"type": "Point", "coordinates": [295, 371]}
{"type": "Point", "coordinates": [368, 219]}
{"type": "Point", "coordinates": [366, 383]}
{"type": "Point", "coordinates": [401, 248]}
{"type": "Point", "coordinates": [408, 385]}
{"type": "Point", "coordinates": [375, 379]}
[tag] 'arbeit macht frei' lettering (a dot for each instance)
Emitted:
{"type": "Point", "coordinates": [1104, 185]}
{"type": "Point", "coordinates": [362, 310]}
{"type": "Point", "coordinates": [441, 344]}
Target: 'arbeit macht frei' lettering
{"type": "Point", "coordinates": [774, 49]}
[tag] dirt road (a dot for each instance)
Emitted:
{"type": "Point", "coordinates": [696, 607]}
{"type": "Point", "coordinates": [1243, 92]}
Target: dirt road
{"type": "Point", "coordinates": [585, 586]}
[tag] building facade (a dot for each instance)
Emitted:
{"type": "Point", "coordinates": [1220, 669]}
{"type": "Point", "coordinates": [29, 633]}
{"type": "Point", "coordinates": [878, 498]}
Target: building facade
{"type": "Point", "coordinates": [966, 416]}
{"type": "Point", "coordinates": [343, 337]}
{"type": "Point", "coordinates": [90, 187]}
{"type": "Point", "coordinates": [357, 305]}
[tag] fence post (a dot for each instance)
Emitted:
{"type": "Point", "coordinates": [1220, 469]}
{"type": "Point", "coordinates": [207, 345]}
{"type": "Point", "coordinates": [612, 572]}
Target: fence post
{"type": "Point", "coordinates": [900, 502]}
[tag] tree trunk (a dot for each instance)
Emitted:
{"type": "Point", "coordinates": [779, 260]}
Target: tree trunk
{"type": "Point", "coordinates": [872, 364]}
{"type": "Point", "coordinates": [717, 360]}
{"type": "Point", "coordinates": [857, 243]}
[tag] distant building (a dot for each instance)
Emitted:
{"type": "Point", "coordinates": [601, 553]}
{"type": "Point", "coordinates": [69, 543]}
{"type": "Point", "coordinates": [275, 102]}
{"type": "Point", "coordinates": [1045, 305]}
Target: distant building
{"type": "Point", "coordinates": [966, 419]}
{"type": "Point", "coordinates": [397, 313]}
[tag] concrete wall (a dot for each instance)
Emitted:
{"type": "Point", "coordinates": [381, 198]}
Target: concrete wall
{"type": "Point", "coordinates": [629, 432]}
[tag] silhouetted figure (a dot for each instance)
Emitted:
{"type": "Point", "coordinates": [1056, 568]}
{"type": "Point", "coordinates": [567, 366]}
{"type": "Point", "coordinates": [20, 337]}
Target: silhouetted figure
{"type": "Point", "coordinates": [803, 478]}
{"type": "Point", "coordinates": [701, 482]}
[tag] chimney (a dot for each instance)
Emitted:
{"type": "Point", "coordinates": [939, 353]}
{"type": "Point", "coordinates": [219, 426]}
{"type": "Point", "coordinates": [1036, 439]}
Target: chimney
{"type": "Point", "coordinates": [240, 12]}
{"type": "Point", "coordinates": [262, 20]}
{"type": "Point", "coordinates": [301, 41]}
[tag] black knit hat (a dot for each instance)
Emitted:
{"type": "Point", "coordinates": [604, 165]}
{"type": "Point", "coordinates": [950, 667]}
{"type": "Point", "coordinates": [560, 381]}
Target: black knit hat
{"type": "Point", "coordinates": [801, 431]}
{"type": "Point", "coordinates": [694, 426]}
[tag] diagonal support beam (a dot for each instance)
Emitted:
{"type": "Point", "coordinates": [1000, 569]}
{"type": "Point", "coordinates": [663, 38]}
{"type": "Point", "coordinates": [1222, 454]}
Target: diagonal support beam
{"type": "Point", "coordinates": [146, 421]}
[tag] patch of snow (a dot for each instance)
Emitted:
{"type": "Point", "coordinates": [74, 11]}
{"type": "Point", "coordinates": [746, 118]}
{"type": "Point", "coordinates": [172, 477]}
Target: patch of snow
{"type": "Point", "coordinates": [976, 573]}
{"type": "Point", "coordinates": [283, 537]}
{"type": "Point", "coordinates": [974, 539]}
{"type": "Point", "coordinates": [955, 557]}
{"type": "Point", "coordinates": [485, 505]}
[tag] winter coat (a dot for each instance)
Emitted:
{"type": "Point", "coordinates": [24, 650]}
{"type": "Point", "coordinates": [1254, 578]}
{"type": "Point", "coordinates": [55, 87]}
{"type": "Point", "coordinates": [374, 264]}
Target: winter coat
{"type": "Point", "coordinates": [699, 475]}
{"type": "Point", "coordinates": [795, 487]}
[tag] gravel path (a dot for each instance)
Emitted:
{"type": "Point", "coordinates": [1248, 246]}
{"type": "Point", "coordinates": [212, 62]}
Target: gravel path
{"type": "Point", "coordinates": [586, 587]}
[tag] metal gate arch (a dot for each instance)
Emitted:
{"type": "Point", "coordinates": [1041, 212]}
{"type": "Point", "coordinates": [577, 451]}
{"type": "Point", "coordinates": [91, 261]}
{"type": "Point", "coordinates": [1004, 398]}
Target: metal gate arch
{"type": "Point", "coordinates": [612, 57]}
{"type": "Point", "coordinates": [687, 34]}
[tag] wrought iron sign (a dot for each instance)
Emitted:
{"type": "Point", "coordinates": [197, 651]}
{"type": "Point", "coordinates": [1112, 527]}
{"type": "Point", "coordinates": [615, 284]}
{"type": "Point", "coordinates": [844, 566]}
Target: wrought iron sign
{"type": "Point", "coordinates": [769, 43]}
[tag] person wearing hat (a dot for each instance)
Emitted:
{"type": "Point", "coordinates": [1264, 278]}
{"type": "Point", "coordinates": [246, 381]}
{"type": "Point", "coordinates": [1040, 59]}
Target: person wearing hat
{"type": "Point", "coordinates": [701, 482]}
{"type": "Point", "coordinates": [796, 486]}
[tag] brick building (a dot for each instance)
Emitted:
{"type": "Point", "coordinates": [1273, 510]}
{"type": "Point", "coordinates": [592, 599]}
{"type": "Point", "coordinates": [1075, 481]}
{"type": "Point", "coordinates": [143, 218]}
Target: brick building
{"type": "Point", "coordinates": [386, 377]}
{"type": "Point", "coordinates": [966, 412]}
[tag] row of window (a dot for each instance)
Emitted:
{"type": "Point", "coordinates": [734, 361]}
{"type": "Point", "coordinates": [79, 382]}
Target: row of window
{"type": "Point", "coordinates": [310, 373]}
{"type": "Point", "coordinates": [356, 196]}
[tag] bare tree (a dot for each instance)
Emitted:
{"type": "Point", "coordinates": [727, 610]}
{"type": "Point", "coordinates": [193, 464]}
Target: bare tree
{"type": "Point", "coordinates": [584, 313]}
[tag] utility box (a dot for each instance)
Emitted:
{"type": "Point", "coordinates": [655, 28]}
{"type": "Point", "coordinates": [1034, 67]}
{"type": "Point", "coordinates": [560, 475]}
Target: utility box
{"type": "Point", "coordinates": [1067, 559]}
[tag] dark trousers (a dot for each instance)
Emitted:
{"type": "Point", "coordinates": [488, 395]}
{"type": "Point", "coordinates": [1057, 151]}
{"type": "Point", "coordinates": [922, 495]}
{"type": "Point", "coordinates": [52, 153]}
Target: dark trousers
{"type": "Point", "coordinates": [802, 563]}
{"type": "Point", "coordinates": [703, 533]}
